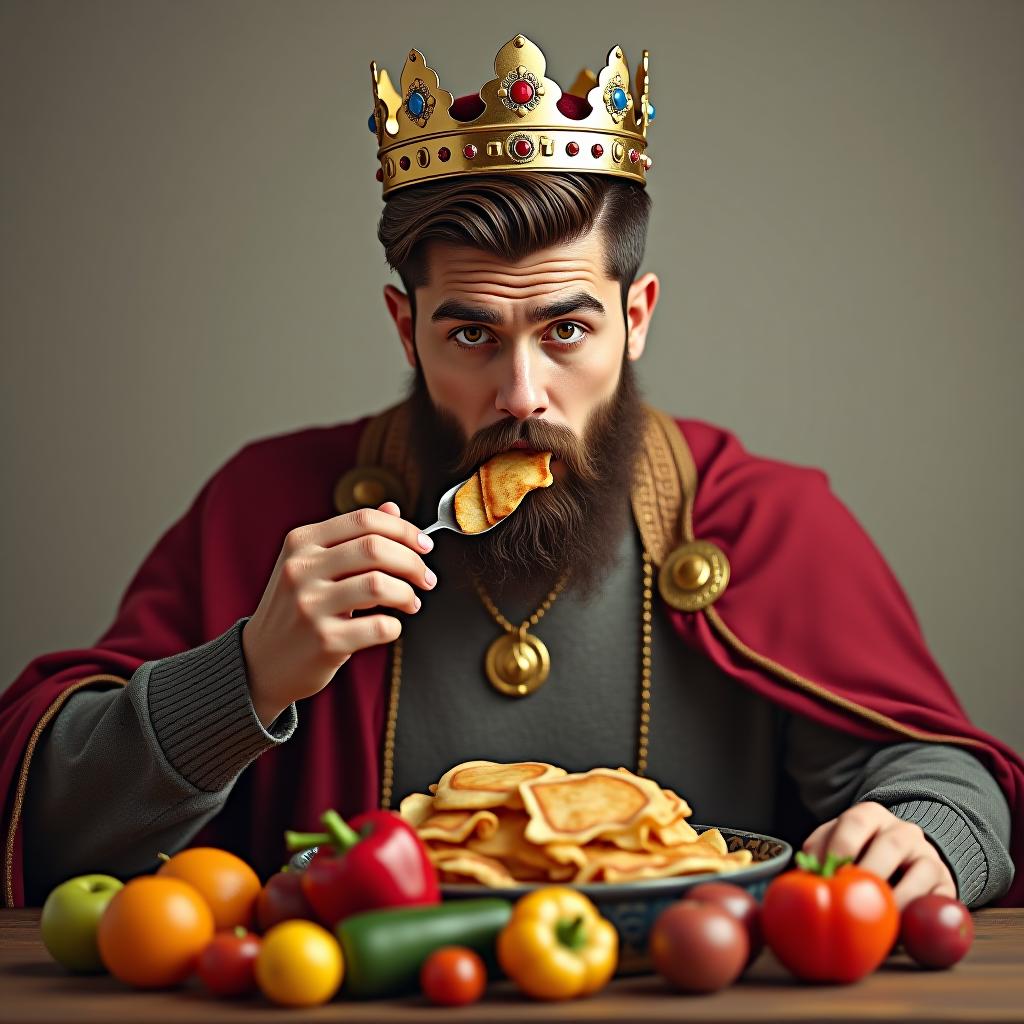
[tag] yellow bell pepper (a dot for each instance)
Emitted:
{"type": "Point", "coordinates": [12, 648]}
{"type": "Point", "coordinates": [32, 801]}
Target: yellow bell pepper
{"type": "Point", "coordinates": [557, 946]}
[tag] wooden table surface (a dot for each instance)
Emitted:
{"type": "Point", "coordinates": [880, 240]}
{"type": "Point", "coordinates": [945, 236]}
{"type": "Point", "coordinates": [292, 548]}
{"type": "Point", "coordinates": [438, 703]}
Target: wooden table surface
{"type": "Point", "coordinates": [988, 985]}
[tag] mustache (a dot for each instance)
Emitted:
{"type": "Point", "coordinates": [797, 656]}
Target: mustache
{"type": "Point", "coordinates": [540, 435]}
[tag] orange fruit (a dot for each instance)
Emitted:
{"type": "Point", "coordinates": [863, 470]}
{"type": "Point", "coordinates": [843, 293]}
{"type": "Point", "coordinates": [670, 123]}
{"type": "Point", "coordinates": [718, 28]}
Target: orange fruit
{"type": "Point", "coordinates": [152, 932]}
{"type": "Point", "coordinates": [225, 881]}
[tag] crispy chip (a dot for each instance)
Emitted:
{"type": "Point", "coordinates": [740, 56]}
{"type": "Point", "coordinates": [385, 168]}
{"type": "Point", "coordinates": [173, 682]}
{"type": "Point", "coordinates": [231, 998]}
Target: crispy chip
{"type": "Point", "coordinates": [466, 863]}
{"type": "Point", "coordinates": [507, 478]}
{"type": "Point", "coordinates": [488, 784]}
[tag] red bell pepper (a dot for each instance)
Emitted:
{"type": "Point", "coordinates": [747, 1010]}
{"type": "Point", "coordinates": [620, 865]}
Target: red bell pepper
{"type": "Point", "coordinates": [378, 861]}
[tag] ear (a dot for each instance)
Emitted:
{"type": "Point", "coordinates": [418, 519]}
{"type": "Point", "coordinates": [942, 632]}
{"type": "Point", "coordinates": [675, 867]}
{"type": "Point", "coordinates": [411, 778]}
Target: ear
{"type": "Point", "coordinates": [400, 310]}
{"type": "Point", "coordinates": [641, 299]}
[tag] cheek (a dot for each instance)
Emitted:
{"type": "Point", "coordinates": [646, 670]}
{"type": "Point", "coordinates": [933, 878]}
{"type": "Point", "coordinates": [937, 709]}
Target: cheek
{"type": "Point", "coordinates": [584, 385]}
{"type": "Point", "coordinates": [457, 392]}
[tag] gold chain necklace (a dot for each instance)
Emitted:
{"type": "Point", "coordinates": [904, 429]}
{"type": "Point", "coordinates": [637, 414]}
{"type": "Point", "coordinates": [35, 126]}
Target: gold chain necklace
{"type": "Point", "coordinates": [517, 663]}
{"type": "Point", "coordinates": [646, 629]}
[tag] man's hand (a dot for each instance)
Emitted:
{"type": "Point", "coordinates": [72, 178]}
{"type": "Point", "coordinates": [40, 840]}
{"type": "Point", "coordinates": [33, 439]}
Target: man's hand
{"type": "Point", "coordinates": [882, 843]}
{"type": "Point", "coordinates": [303, 630]}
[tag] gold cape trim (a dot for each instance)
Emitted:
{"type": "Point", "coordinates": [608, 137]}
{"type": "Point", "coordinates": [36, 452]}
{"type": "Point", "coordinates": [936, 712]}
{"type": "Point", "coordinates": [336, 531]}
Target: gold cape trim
{"type": "Point", "coordinates": [19, 793]}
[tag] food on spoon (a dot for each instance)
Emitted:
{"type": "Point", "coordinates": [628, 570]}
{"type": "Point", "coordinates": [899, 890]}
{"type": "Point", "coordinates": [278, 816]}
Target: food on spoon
{"type": "Point", "coordinates": [503, 824]}
{"type": "Point", "coordinates": [495, 490]}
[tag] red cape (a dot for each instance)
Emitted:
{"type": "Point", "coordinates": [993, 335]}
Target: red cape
{"type": "Point", "coordinates": [812, 619]}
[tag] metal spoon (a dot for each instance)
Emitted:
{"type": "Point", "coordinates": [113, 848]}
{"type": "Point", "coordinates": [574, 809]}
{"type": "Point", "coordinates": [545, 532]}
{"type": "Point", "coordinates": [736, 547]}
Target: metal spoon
{"type": "Point", "coordinates": [446, 515]}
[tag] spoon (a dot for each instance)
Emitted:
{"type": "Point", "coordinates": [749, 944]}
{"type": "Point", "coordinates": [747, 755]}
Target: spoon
{"type": "Point", "coordinates": [446, 515]}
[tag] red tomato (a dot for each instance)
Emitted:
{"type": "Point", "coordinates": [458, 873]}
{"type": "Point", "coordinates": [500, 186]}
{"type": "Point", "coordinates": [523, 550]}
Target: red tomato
{"type": "Point", "coordinates": [835, 922]}
{"type": "Point", "coordinates": [453, 976]}
{"type": "Point", "coordinates": [227, 965]}
{"type": "Point", "coordinates": [936, 931]}
{"type": "Point", "coordinates": [698, 947]}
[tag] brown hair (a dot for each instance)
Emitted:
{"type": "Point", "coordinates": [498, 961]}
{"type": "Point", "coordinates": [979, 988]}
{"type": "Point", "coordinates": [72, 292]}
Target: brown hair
{"type": "Point", "coordinates": [513, 215]}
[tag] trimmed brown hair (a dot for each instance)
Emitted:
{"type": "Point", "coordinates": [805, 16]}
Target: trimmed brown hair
{"type": "Point", "coordinates": [513, 215]}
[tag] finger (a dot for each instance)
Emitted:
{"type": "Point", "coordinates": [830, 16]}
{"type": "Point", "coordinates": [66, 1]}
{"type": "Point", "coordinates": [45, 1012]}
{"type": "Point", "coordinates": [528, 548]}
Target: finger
{"type": "Point", "coordinates": [890, 849]}
{"type": "Point", "coordinates": [375, 552]}
{"type": "Point", "coordinates": [367, 631]}
{"type": "Point", "coordinates": [852, 833]}
{"type": "Point", "coordinates": [374, 589]}
{"type": "Point", "coordinates": [390, 508]}
{"type": "Point", "coordinates": [816, 843]}
{"type": "Point", "coordinates": [921, 878]}
{"type": "Point", "coordinates": [362, 522]}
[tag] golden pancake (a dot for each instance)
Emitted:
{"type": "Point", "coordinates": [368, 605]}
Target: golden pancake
{"type": "Point", "coordinates": [507, 478]}
{"type": "Point", "coordinates": [476, 784]}
{"type": "Point", "coordinates": [469, 506]}
{"type": "Point", "coordinates": [466, 865]}
{"type": "Point", "coordinates": [602, 802]}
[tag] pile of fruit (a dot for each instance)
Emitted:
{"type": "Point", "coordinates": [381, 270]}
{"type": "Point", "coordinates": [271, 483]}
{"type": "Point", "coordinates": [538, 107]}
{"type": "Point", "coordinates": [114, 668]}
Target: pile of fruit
{"type": "Point", "coordinates": [365, 918]}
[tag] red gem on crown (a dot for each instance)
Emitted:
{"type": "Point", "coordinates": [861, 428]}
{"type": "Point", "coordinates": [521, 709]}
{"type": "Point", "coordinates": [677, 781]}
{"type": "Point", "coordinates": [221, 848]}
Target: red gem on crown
{"type": "Point", "coordinates": [380, 174]}
{"type": "Point", "coordinates": [469, 151]}
{"type": "Point", "coordinates": [521, 92]}
{"type": "Point", "coordinates": [523, 148]}
{"type": "Point", "coordinates": [444, 154]}
{"type": "Point", "coordinates": [633, 156]}
{"type": "Point", "coordinates": [597, 150]}
{"type": "Point", "coordinates": [572, 148]}
{"type": "Point", "coordinates": [404, 163]}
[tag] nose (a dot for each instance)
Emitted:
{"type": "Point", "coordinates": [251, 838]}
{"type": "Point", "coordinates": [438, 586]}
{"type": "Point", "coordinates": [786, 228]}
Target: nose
{"type": "Point", "coordinates": [521, 393]}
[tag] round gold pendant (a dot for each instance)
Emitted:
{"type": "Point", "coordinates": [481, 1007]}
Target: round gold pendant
{"type": "Point", "coordinates": [517, 663]}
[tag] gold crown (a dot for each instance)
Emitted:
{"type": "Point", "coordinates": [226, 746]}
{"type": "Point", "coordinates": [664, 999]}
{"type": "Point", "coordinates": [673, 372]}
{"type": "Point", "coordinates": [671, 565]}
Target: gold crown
{"type": "Point", "coordinates": [520, 121]}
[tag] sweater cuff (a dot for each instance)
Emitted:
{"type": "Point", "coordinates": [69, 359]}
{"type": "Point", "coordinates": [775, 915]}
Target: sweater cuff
{"type": "Point", "coordinates": [202, 712]}
{"type": "Point", "coordinates": [956, 842]}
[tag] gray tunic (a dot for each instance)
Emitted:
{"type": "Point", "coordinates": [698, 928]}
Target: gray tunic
{"type": "Point", "coordinates": [165, 751]}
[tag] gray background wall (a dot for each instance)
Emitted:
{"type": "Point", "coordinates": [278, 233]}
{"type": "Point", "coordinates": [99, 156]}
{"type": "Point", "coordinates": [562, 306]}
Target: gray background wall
{"type": "Point", "coordinates": [188, 261]}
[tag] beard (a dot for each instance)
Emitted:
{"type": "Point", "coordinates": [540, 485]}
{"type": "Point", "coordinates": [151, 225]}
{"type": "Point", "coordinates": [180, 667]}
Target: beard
{"type": "Point", "coordinates": [571, 528]}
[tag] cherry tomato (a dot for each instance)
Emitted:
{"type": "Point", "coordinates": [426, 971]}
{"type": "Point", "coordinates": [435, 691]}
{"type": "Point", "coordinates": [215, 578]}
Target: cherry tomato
{"type": "Point", "coordinates": [153, 930]}
{"type": "Point", "coordinates": [738, 902]}
{"type": "Point", "coordinates": [698, 947]}
{"type": "Point", "coordinates": [226, 882]}
{"type": "Point", "coordinates": [227, 967]}
{"type": "Point", "coordinates": [936, 931]}
{"type": "Point", "coordinates": [832, 922]}
{"type": "Point", "coordinates": [282, 899]}
{"type": "Point", "coordinates": [299, 964]}
{"type": "Point", "coordinates": [453, 976]}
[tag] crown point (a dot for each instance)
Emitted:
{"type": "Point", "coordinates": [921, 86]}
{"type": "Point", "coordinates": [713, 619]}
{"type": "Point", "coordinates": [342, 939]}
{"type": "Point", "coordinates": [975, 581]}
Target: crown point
{"type": "Point", "coordinates": [572, 148]}
{"type": "Point", "coordinates": [444, 154]}
{"type": "Point", "coordinates": [597, 150]}
{"type": "Point", "coordinates": [469, 151]}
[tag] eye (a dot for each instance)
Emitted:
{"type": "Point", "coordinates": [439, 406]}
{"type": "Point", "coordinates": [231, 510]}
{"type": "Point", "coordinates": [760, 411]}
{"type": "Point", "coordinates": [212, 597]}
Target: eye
{"type": "Point", "coordinates": [471, 336]}
{"type": "Point", "coordinates": [568, 333]}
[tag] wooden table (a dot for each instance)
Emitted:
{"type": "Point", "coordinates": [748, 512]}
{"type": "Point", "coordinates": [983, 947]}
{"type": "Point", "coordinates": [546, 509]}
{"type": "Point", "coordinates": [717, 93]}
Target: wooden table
{"type": "Point", "coordinates": [986, 986]}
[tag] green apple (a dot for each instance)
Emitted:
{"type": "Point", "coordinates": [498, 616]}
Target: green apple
{"type": "Point", "coordinates": [71, 915]}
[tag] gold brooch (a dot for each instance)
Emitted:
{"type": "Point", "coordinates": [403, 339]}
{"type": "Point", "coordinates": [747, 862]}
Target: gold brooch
{"type": "Point", "coordinates": [694, 576]}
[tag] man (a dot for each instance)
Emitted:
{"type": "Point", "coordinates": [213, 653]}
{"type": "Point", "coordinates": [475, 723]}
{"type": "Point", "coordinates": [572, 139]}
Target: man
{"type": "Point", "coordinates": [672, 603]}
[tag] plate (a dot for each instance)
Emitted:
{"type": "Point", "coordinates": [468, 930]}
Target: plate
{"type": "Point", "coordinates": [633, 907]}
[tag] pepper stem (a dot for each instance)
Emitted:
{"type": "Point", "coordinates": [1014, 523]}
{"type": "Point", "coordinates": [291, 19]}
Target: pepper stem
{"type": "Point", "coordinates": [296, 841]}
{"type": "Point", "coordinates": [571, 933]}
{"type": "Point", "coordinates": [343, 837]}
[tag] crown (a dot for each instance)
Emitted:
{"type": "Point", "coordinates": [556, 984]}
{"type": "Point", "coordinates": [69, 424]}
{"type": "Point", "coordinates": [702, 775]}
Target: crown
{"type": "Point", "coordinates": [519, 121]}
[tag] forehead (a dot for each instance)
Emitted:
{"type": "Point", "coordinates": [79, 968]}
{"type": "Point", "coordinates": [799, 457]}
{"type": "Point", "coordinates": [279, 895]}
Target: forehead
{"type": "Point", "coordinates": [461, 271]}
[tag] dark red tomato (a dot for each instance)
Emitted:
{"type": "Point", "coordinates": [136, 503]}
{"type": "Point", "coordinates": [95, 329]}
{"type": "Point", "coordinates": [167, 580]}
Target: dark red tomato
{"type": "Point", "coordinates": [453, 976]}
{"type": "Point", "coordinates": [698, 947]}
{"type": "Point", "coordinates": [226, 966]}
{"type": "Point", "coordinates": [936, 931]}
{"type": "Point", "coordinates": [282, 899]}
{"type": "Point", "coordinates": [738, 902]}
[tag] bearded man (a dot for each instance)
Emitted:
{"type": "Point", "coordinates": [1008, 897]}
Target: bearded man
{"type": "Point", "coordinates": [709, 618]}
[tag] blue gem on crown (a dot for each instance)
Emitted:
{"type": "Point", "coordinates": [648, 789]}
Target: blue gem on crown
{"type": "Point", "coordinates": [619, 99]}
{"type": "Point", "coordinates": [419, 103]}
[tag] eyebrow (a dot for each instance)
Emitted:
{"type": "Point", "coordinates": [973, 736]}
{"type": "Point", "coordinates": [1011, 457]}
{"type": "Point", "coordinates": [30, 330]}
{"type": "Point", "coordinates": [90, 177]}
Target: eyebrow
{"type": "Point", "coordinates": [455, 309]}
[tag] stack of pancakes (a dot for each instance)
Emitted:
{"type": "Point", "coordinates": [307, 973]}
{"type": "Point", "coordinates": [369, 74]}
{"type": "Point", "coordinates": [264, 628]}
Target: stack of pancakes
{"type": "Point", "coordinates": [503, 824]}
